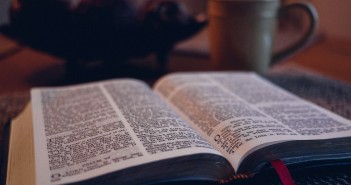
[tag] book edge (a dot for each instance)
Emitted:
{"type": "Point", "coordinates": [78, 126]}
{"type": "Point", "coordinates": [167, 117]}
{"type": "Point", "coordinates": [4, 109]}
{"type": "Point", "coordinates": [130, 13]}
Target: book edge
{"type": "Point", "coordinates": [22, 135]}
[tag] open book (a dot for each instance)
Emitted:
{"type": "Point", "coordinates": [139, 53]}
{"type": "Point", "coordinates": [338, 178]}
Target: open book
{"type": "Point", "coordinates": [214, 126]}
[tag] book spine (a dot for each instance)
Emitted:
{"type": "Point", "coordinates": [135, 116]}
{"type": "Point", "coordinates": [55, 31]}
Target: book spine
{"type": "Point", "coordinates": [239, 176]}
{"type": "Point", "coordinates": [278, 165]}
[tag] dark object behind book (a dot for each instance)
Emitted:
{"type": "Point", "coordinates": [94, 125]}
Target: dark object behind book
{"type": "Point", "coordinates": [106, 30]}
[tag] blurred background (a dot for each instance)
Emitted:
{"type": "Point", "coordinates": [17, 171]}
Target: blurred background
{"type": "Point", "coordinates": [328, 54]}
{"type": "Point", "coordinates": [334, 15]}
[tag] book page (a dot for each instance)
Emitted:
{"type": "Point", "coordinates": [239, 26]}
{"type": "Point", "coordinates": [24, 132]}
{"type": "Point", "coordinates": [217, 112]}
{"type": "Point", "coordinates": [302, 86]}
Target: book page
{"type": "Point", "coordinates": [239, 112]}
{"type": "Point", "coordinates": [87, 130]}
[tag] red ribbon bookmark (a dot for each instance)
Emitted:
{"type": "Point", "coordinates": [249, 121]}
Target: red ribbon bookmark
{"type": "Point", "coordinates": [283, 172]}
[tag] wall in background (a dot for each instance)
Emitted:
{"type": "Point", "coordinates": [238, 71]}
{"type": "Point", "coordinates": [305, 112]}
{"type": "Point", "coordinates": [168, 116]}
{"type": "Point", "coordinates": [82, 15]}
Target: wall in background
{"type": "Point", "coordinates": [4, 18]}
{"type": "Point", "coordinates": [335, 17]}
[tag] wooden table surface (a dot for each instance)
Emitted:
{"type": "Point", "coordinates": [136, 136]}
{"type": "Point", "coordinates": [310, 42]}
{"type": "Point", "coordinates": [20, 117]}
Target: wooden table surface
{"type": "Point", "coordinates": [22, 68]}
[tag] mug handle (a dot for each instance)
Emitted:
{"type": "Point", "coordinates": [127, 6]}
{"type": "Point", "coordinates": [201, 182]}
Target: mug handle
{"type": "Point", "coordinates": [313, 18]}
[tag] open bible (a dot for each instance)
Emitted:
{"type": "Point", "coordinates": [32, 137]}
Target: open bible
{"type": "Point", "coordinates": [211, 127]}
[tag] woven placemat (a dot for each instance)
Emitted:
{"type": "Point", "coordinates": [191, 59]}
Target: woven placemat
{"type": "Point", "coordinates": [10, 106]}
{"type": "Point", "coordinates": [330, 94]}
